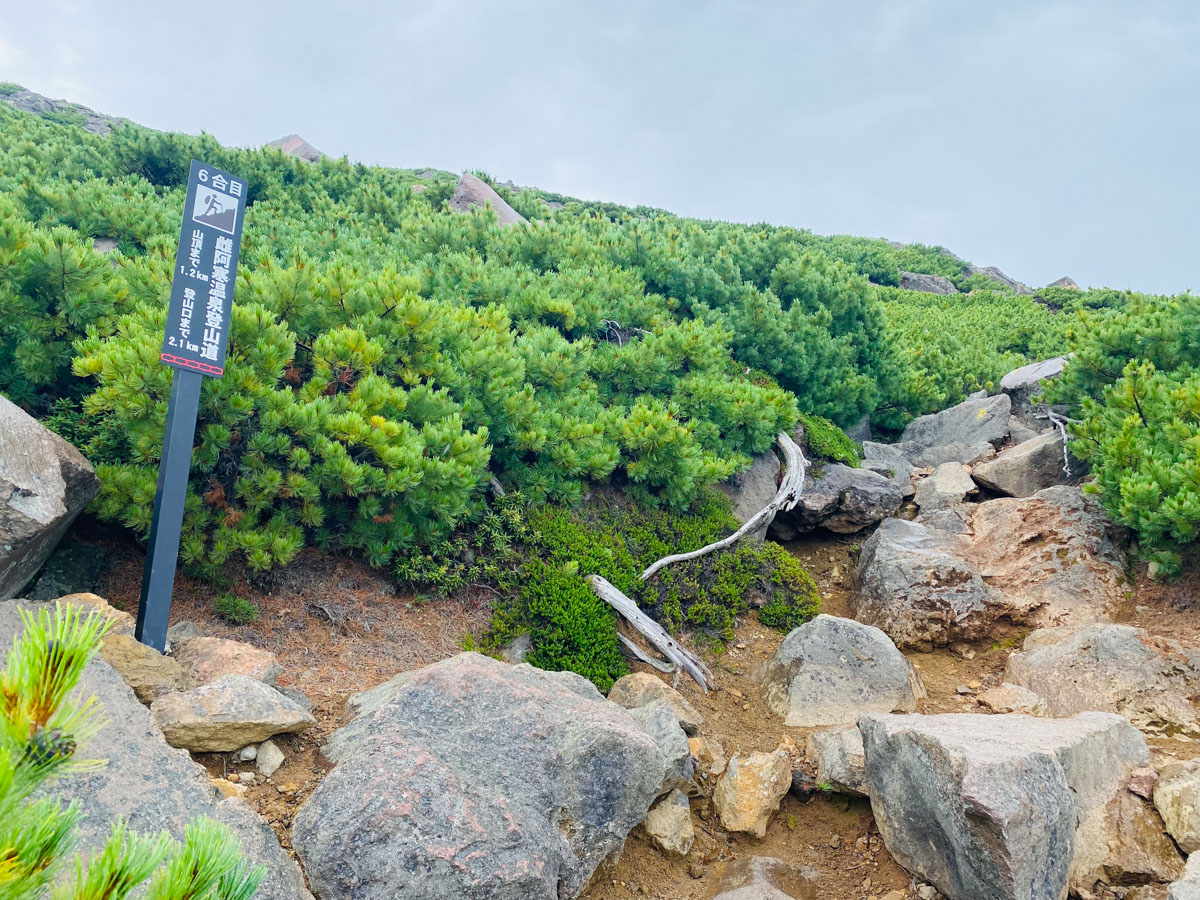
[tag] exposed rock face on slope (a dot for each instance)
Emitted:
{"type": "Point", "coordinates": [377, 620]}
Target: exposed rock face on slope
{"type": "Point", "coordinates": [995, 275]}
{"type": "Point", "coordinates": [44, 484]}
{"type": "Point", "coordinates": [1065, 282]}
{"type": "Point", "coordinates": [1111, 668]}
{"type": "Point", "coordinates": [472, 191]}
{"type": "Point", "coordinates": [829, 671]}
{"type": "Point", "coordinates": [477, 779]}
{"type": "Point", "coordinates": [31, 102]}
{"type": "Point", "coordinates": [151, 785]}
{"type": "Point", "coordinates": [951, 575]}
{"type": "Point", "coordinates": [1006, 807]}
{"type": "Point", "coordinates": [294, 145]}
{"type": "Point", "coordinates": [927, 284]}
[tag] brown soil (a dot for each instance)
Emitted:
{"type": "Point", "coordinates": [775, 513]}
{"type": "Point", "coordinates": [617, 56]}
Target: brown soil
{"type": "Point", "coordinates": [338, 627]}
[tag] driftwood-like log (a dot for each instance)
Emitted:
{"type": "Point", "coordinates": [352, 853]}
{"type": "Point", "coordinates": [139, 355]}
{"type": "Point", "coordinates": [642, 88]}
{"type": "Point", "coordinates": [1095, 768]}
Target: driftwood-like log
{"type": "Point", "coordinates": [652, 631]}
{"type": "Point", "coordinates": [786, 498]}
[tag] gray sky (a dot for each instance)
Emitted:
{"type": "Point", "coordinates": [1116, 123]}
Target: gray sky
{"type": "Point", "coordinates": [1047, 138]}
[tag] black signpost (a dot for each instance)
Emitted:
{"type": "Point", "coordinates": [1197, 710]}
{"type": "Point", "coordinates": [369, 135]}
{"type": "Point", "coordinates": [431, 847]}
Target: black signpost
{"type": "Point", "coordinates": [196, 337]}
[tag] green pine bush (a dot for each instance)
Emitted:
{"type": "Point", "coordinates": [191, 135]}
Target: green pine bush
{"type": "Point", "coordinates": [43, 729]}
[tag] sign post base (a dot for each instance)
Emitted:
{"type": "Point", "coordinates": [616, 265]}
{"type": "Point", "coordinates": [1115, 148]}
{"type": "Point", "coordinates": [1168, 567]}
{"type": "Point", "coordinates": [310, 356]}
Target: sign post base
{"type": "Point", "coordinates": [162, 550]}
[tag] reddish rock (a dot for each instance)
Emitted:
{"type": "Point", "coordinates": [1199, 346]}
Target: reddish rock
{"type": "Point", "coordinates": [206, 659]}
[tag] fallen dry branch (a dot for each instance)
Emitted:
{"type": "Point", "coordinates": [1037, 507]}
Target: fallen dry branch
{"type": "Point", "coordinates": [788, 495]}
{"type": "Point", "coordinates": [786, 498]}
{"type": "Point", "coordinates": [653, 632]}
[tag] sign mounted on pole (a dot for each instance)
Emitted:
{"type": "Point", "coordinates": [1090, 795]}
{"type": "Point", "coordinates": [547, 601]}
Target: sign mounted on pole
{"type": "Point", "coordinates": [196, 338]}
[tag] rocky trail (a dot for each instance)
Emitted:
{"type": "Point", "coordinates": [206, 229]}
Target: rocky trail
{"type": "Point", "coordinates": [994, 702]}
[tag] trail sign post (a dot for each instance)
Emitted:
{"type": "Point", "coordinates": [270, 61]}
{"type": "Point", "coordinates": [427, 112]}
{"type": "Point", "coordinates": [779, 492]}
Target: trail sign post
{"type": "Point", "coordinates": [194, 344]}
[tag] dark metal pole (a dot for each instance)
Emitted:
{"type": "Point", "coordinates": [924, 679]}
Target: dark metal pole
{"type": "Point", "coordinates": [167, 522]}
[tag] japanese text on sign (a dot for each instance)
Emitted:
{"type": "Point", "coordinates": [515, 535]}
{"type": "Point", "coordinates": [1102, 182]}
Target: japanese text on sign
{"type": "Point", "coordinates": [198, 318]}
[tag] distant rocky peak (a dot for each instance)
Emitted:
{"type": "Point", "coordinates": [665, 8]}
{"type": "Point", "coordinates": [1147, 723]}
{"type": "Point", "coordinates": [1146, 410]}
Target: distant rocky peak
{"type": "Point", "coordinates": [294, 145]}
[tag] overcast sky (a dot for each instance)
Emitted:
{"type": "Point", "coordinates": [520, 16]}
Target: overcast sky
{"type": "Point", "coordinates": [1046, 138]}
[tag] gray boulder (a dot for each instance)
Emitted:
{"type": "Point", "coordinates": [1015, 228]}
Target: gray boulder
{"type": "Point", "coordinates": [965, 454]}
{"type": "Point", "coordinates": [1024, 469]}
{"type": "Point", "coordinates": [842, 500]}
{"type": "Point", "coordinates": [952, 575]}
{"type": "Point", "coordinates": [926, 284]}
{"type": "Point", "coordinates": [45, 483]}
{"type": "Point", "coordinates": [948, 486]}
{"type": "Point", "coordinates": [750, 491]}
{"type": "Point", "coordinates": [658, 720]}
{"type": "Point", "coordinates": [1027, 382]}
{"type": "Point", "coordinates": [889, 461]}
{"type": "Point", "coordinates": [840, 759]}
{"type": "Point", "coordinates": [477, 779]}
{"type": "Point", "coordinates": [1111, 668]}
{"type": "Point", "coordinates": [970, 422]}
{"type": "Point", "coordinates": [999, 807]}
{"type": "Point", "coordinates": [829, 671]}
{"type": "Point", "coordinates": [151, 785]}
{"type": "Point", "coordinates": [227, 714]}
{"type": "Point", "coordinates": [472, 192]}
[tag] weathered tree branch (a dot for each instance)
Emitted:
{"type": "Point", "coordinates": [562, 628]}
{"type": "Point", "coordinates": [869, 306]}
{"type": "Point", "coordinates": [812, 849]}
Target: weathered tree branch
{"type": "Point", "coordinates": [652, 631]}
{"type": "Point", "coordinates": [786, 498]}
{"type": "Point", "coordinates": [788, 495]}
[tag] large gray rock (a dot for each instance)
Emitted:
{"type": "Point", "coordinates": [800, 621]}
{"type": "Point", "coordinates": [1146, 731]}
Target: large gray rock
{"type": "Point", "coordinates": [829, 671]}
{"type": "Point", "coordinates": [926, 284]}
{"type": "Point", "coordinates": [840, 759]}
{"type": "Point", "coordinates": [842, 500]}
{"type": "Point", "coordinates": [1027, 382]}
{"type": "Point", "coordinates": [948, 486]}
{"type": "Point", "coordinates": [970, 422]}
{"type": "Point", "coordinates": [965, 454]}
{"type": "Point", "coordinates": [150, 785]}
{"type": "Point", "coordinates": [45, 483]}
{"type": "Point", "coordinates": [750, 491]}
{"type": "Point", "coordinates": [1111, 668]}
{"type": "Point", "coordinates": [472, 192]}
{"type": "Point", "coordinates": [889, 461]}
{"type": "Point", "coordinates": [952, 575]}
{"type": "Point", "coordinates": [999, 807]}
{"type": "Point", "coordinates": [477, 779]}
{"type": "Point", "coordinates": [1024, 469]}
{"type": "Point", "coordinates": [658, 720]}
